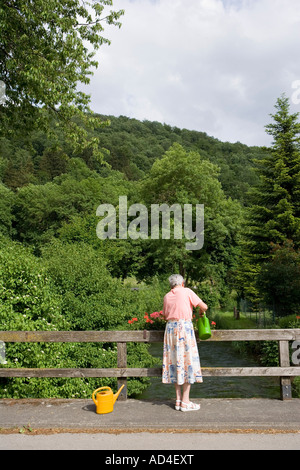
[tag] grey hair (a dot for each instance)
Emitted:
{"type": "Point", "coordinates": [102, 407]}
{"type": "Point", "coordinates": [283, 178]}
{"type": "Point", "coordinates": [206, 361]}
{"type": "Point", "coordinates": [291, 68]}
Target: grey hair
{"type": "Point", "coordinates": [175, 280]}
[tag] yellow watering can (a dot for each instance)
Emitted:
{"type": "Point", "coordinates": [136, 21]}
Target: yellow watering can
{"type": "Point", "coordinates": [105, 399]}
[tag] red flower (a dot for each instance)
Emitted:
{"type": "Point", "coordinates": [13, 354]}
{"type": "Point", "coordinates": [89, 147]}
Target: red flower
{"type": "Point", "coordinates": [154, 315]}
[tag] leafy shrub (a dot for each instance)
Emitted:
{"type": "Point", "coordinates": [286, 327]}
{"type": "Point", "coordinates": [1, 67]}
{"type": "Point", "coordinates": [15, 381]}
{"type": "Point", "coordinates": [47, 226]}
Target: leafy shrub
{"type": "Point", "coordinates": [68, 289]}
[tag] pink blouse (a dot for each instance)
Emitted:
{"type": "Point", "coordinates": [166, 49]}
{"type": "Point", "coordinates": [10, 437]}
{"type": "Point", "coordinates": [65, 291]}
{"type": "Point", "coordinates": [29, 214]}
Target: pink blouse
{"type": "Point", "coordinates": [179, 303]}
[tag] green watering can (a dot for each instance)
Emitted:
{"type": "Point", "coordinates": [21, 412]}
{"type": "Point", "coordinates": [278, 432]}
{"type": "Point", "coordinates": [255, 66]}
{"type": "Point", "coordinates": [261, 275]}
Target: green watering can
{"type": "Point", "coordinates": [204, 328]}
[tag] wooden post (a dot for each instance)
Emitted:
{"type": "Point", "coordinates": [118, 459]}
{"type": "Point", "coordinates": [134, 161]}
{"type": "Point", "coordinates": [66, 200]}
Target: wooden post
{"type": "Point", "coordinates": [122, 363]}
{"type": "Point", "coordinates": [284, 361]}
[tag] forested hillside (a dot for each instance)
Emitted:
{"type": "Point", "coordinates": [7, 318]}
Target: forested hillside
{"type": "Point", "coordinates": [130, 147]}
{"type": "Point", "coordinates": [50, 192]}
{"type": "Point", "coordinates": [135, 145]}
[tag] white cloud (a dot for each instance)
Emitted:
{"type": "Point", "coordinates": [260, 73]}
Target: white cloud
{"type": "Point", "coordinates": [216, 66]}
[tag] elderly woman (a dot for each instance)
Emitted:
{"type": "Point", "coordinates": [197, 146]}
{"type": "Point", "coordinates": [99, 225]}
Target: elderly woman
{"type": "Point", "coordinates": [181, 363]}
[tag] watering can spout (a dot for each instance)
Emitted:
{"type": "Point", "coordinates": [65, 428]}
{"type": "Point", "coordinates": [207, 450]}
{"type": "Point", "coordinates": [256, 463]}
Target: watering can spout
{"type": "Point", "coordinates": [118, 393]}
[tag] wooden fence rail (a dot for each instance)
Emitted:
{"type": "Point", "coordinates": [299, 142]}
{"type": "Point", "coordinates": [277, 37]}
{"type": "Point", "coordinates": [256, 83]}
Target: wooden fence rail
{"type": "Point", "coordinates": [285, 371]}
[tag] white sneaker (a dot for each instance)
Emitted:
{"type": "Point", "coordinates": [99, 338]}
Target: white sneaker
{"type": "Point", "coordinates": [189, 406]}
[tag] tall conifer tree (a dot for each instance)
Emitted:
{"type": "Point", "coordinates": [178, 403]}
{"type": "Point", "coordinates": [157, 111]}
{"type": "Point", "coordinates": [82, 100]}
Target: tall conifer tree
{"type": "Point", "coordinates": [274, 213]}
{"type": "Point", "coordinates": [275, 208]}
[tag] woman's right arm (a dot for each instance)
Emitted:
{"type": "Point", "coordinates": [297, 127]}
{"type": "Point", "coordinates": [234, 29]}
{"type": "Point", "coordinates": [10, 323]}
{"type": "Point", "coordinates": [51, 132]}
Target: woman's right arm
{"type": "Point", "coordinates": [203, 306]}
{"type": "Point", "coordinates": [197, 302]}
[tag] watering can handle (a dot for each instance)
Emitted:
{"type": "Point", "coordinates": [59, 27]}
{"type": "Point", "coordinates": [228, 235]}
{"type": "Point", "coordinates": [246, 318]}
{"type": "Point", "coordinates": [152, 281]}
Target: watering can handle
{"type": "Point", "coordinates": [98, 390]}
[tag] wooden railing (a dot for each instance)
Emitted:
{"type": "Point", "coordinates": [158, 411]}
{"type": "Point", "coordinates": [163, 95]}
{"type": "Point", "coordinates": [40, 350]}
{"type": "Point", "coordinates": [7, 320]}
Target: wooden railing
{"type": "Point", "coordinates": [285, 371]}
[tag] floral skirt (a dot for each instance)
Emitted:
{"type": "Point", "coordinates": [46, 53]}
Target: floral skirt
{"type": "Point", "coordinates": [181, 362]}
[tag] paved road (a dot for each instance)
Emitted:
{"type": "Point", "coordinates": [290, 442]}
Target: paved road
{"type": "Point", "coordinates": [142, 416]}
{"type": "Point", "coordinates": [136, 424]}
{"type": "Point", "coordinates": [179, 443]}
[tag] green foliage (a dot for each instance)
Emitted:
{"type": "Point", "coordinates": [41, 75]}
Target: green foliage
{"type": "Point", "coordinates": [45, 52]}
{"type": "Point", "coordinates": [16, 164]}
{"type": "Point", "coordinates": [280, 279]}
{"type": "Point", "coordinates": [7, 200]}
{"type": "Point", "coordinates": [196, 179]}
{"type": "Point", "coordinates": [69, 288]}
{"type": "Point", "coordinates": [139, 144]}
{"type": "Point", "coordinates": [92, 299]}
{"type": "Point", "coordinates": [27, 298]}
{"type": "Point", "coordinates": [41, 210]}
{"type": "Point", "coordinates": [289, 321]}
{"type": "Point", "coordinates": [182, 177]}
{"type": "Point", "coordinates": [27, 302]}
{"type": "Point", "coordinates": [275, 202]}
{"type": "Point", "coordinates": [273, 219]}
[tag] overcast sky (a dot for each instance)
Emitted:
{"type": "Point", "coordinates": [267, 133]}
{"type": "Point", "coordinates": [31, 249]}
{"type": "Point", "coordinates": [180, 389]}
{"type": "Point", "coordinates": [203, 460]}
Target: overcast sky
{"type": "Point", "coordinates": [216, 66]}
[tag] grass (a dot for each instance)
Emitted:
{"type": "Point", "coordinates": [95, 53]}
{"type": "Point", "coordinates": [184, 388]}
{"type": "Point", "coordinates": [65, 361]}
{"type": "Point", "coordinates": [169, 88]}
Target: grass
{"type": "Point", "coordinates": [226, 321]}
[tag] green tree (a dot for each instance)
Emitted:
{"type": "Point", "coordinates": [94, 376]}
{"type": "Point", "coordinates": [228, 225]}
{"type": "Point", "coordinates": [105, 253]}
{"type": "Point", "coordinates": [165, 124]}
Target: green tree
{"type": "Point", "coordinates": [275, 212]}
{"type": "Point", "coordinates": [6, 204]}
{"type": "Point", "coordinates": [280, 279]}
{"type": "Point", "coordinates": [40, 210]}
{"type": "Point", "coordinates": [46, 49]}
{"type": "Point", "coordinates": [274, 215]}
{"type": "Point", "coordinates": [183, 177]}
